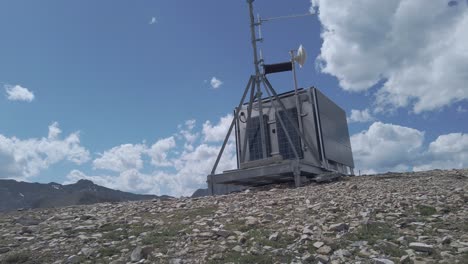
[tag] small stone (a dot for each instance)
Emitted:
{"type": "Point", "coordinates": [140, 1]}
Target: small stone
{"type": "Point", "coordinates": [273, 237]}
{"type": "Point", "coordinates": [405, 260]}
{"type": "Point", "coordinates": [318, 244]}
{"type": "Point", "coordinates": [251, 221]}
{"type": "Point", "coordinates": [338, 227]}
{"type": "Point", "coordinates": [322, 258]}
{"type": "Point", "coordinates": [27, 221]}
{"type": "Point", "coordinates": [446, 240]}
{"type": "Point", "coordinates": [86, 217]}
{"type": "Point", "coordinates": [83, 237]}
{"type": "Point", "coordinates": [4, 250]}
{"type": "Point", "coordinates": [84, 227]}
{"type": "Point", "coordinates": [217, 256]}
{"type": "Point", "coordinates": [342, 253]}
{"type": "Point", "coordinates": [205, 234]}
{"type": "Point", "coordinates": [242, 239]}
{"type": "Point", "coordinates": [383, 261]}
{"type": "Point", "coordinates": [87, 251]}
{"type": "Point", "coordinates": [136, 254]}
{"type": "Point", "coordinates": [307, 257]}
{"type": "Point", "coordinates": [324, 250]}
{"type": "Point", "coordinates": [26, 230]}
{"type": "Point", "coordinates": [421, 247]}
{"type": "Point", "coordinates": [223, 233]}
{"type": "Point", "coordinates": [175, 261]}
{"type": "Point", "coordinates": [353, 187]}
{"type": "Point", "coordinates": [307, 231]}
{"type": "Point", "coordinates": [237, 248]}
{"type": "Point", "coordinates": [73, 259]}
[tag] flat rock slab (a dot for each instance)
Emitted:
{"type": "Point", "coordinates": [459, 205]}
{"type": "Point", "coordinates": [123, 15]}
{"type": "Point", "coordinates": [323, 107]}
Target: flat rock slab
{"type": "Point", "coordinates": [421, 247]}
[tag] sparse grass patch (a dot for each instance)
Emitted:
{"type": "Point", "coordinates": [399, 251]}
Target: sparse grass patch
{"type": "Point", "coordinates": [137, 230]}
{"type": "Point", "coordinates": [261, 236]}
{"type": "Point", "coordinates": [426, 210]}
{"type": "Point", "coordinates": [237, 225]}
{"type": "Point", "coordinates": [17, 257]}
{"type": "Point", "coordinates": [238, 258]}
{"type": "Point", "coordinates": [393, 251]}
{"type": "Point", "coordinates": [374, 231]}
{"type": "Point", "coordinates": [160, 239]}
{"type": "Point", "coordinates": [110, 227]}
{"type": "Point", "coordinates": [462, 226]}
{"type": "Point", "coordinates": [463, 258]}
{"type": "Point", "coordinates": [115, 235]}
{"type": "Point", "coordinates": [108, 251]}
{"type": "Point", "coordinates": [191, 214]}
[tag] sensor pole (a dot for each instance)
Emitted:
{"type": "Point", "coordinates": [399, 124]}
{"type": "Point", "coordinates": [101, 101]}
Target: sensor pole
{"type": "Point", "coordinates": [296, 92]}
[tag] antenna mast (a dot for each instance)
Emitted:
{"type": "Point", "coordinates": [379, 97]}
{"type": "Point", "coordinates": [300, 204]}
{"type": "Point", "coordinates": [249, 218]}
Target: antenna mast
{"type": "Point", "coordinates": [257, 74]}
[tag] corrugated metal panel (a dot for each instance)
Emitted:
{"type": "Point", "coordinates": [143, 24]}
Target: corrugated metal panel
{"type": "Point", "coordinates": [283, 144]}
{"type": "Point", "coordinates": [254, 138]}
{"type": "Point", "coordinates": [335, 133]}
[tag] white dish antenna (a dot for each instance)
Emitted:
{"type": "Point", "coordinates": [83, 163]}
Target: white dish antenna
{"type": "Point", "coordinates": [301, 56]}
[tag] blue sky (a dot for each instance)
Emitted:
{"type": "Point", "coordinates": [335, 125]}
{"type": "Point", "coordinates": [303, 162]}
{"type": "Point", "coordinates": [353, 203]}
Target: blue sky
{"type": "Point", "coordinates": [128, 84]}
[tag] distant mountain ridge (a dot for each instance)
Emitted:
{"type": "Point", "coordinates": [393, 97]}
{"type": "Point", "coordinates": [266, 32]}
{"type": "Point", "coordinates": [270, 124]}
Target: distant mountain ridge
{"type": "Point", "coordinates": [15, 195]}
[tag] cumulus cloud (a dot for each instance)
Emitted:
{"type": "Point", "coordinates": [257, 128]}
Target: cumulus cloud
{"type": "Point", "coordinates": [217, 132]}
{"type": "Point", "coordinates": [215, 83]}
{"type": "Point", "coordinates": [22, 159]}
{"type": "Point", "coordinates": [360, 116]}
{"type": "Point", "coordinates": [416, 48]}
{"type": "Point", "coordinates": [158, 152]}
{"type": "Point", "coordinates": [388, 147]}
{"type": "Point", "coordinates": [121, 158]}
{"type": "Point", "coordinates": [186, 131]}
{"type": "Point", "coordinates": [179, 164]}
{"type": "Point", "coordinates": [18, 93]}
{"type": "Point", "coordinates": [446, 152]}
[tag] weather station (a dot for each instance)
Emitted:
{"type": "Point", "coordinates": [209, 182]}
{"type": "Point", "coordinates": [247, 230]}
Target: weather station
{"type": "Point", "coordinates": [295, 136]}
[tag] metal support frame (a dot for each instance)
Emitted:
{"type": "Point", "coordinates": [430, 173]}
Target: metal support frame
{"type": "Point", "coordinates": [296, 170]}
{"type": "Point", "coordinates": [308, 144]}
{"type": "Point", "coordinates": [249, 115]}
{"type": "Point", "coordinates": [236, 116]}
{"type": "Point", "coordinates": [254, 84]}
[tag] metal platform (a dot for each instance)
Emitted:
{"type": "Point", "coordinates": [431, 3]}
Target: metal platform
{"type": "Point", "coordinates": [280, 172]}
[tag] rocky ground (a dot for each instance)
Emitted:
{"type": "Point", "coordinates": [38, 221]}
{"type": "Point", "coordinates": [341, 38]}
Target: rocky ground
{"type": "Point", "coordinates": [390, 218]}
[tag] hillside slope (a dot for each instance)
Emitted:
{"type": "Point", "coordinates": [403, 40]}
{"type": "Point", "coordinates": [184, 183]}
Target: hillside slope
{"type": "Point", "coordinates": [25, 195]}
{"type": "Point", "coordinates": [390, 218]}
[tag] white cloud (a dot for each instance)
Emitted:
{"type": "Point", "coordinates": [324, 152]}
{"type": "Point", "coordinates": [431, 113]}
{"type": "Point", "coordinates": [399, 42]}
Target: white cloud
{"type": "Point", "coordinates": [153, 21]}
{"type": "Point", "coordinates": [190, 171]}
{"type": "Point", "coordinates": [416, 48]}
{"type": "Point", "coordinates": [217, 132]}
{"type": "Point", "coordinates": [215, 83]}
{"type": "Point", "coordinates": [26, 158]}
{"type": "Point", "coordinates": [121, 158]}
{"type": "Point", "coordinates": [178, 165]}
{"type": "Point", "coordinates": [360, 116]}
{"type": "Point", "coordinates": [446, 152]}
{"type": "Point", "coordinates": [159, 152]}
{"type": "Point", "coordinates": [386, 147]}
{"type": "Point", "coordinates": [18, 93]}
{"type": "Point", "coordinates": [54, 131]}
{"type": "Point", "coordinates": [186, 131]}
